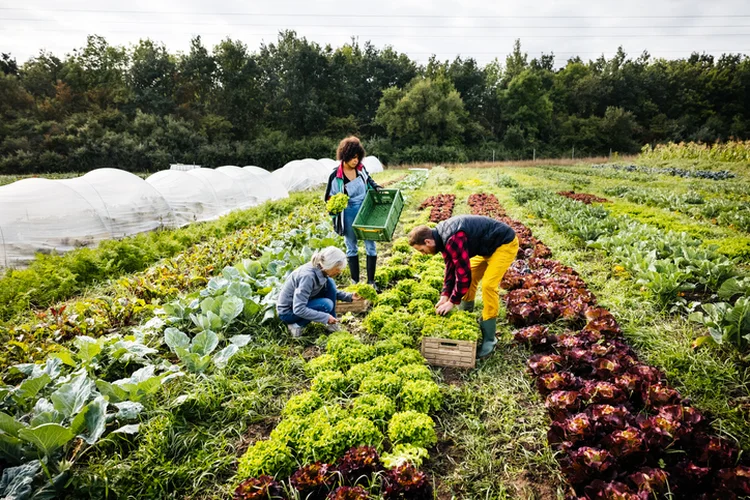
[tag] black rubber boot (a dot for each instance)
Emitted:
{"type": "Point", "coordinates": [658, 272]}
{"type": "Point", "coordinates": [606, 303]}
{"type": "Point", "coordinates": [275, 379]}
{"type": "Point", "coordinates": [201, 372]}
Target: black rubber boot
{"type": "Point", "coordinates": [354, 268]}
{"type": "Point", "coordinates": [372, 263]}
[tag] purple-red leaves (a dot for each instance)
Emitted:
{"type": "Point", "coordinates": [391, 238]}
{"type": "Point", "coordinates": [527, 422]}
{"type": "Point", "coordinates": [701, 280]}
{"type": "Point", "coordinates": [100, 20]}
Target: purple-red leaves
{"type": "Point", "coordinates": [607, 418]}
{"type": "Point", "coordinates": [573, 429]}
{"type": "Point", "coordinates": [536, 337]}
{"type": "Point", "coordinates": [600, 392]}
{"type": "Point", "coordinates": [406, 482]}
{"type": "Point", "coordinates": [557, 381]}
{"type": "Point", "coordinates": [348, 493]}
{"type": "Point", "coordinates": [561, 403]}
{"type": "Point", "coordinates": [359, 464]}
{"type": "Point", "coordinates": [657, 395]}
{"type": "Point", "coordinates": [585, 463]}
{"type": "Point", "coordinates": [259, 488]}
{"type": "Point", "coordinates": [599, 490]}
{"type": "Point", "coordinates": [544, 363]}
{"type": "Point", "coordinates": [650, 481]}
{"type": "Point", "coordinates": [313, 481]}
{"type": "Point", "coordinates": [624, 442]}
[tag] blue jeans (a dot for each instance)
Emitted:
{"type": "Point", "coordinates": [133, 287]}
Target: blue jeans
{"type": "Point", "coordinates": [325, 302]}
{"type": "Point", "coordinates": [350, 238]}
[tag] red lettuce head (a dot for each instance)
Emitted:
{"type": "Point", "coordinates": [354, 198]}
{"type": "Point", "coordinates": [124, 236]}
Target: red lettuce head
{"type": "Point", "coordinates": [259, 488]}
{"type": "Point", "coordinates": [557, 381]}
{"type": "Point", "coordinates": [625, 442]}
{"type": "Point", "coordinates": [544, 363]}
{"type": "Point", "coordinates": [537, 337]}
{"type": "Point", "coordinates": [314, 480]}
{"type": "Point", "coordinates": [601, 392]}
{"type": "Point", "coordinates": [359, 464]}
{"type": "Point", "coordinates": [573, 429]}
{"type": "Point", "coordinates": [348, 493]}
{"type": "Point", "coordinates": [599, 490]}
{"type": "Point", "coordinates": [406, 482]}
{"type": "Point", "coordinates": [735, 480]}
{"type": "Point", "coordinates": [607, 417]}
{"type": "Point", "coordinates": [651, 481]}
{"type": "Point", "coordinates": [602, 321]}
{"type": "Point", "coordinates": [658, 395]}
{"type": "Point", "coordinates": [585, 463]}
{"type": "Point", "coordinates": [561, 403]}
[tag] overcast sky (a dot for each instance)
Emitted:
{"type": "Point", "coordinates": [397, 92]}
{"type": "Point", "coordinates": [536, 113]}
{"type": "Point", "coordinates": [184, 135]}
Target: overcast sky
{"type": "Point", "coordinates": [470, 28]}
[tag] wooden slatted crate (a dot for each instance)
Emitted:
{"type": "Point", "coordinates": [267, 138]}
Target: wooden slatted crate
{"type": "Point", "coordinates": [447, 352]}
{"type": "Point", "coordinates": [355, 306]}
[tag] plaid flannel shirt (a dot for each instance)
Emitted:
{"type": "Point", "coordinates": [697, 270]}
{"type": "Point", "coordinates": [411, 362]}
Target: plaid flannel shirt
{"type": "Point", "coordinates": [457, 267]}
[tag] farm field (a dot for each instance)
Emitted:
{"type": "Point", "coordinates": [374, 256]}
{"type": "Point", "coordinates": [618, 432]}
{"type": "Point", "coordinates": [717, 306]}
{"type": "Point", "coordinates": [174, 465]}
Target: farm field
{"type": "Point", "coordinates": [621, 364]}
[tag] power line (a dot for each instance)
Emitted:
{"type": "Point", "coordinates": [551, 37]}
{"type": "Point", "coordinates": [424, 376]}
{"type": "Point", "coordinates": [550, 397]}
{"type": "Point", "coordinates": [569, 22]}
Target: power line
{"type": "Point", "coordinates": [515, 36]}
{"type": "Point", "coordinates": [390, 16]}
{"type": "Point", "coordinates": [426, 26]}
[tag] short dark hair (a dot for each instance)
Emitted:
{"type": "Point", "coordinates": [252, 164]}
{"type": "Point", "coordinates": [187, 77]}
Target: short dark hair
{"type": "Point", "coordinates": [349, 148]}
{"type": "Point", "coordinates": [419, 234]}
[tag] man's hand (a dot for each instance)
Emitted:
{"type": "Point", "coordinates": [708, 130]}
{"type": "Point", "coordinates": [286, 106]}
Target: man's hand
{"type": "Point", "coordinates": [443, 300]}
{"type": "Point", "coordinates": [445, 308]}
{"type": "Point", "coordinates": [356, 296]}
{"type": "Point", "coordinates": [332, 320]}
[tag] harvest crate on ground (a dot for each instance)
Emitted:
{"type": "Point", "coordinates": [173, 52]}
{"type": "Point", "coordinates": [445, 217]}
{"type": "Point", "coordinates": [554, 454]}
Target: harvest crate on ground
{"type": "Point", "coordinates": [379, 214]}
{"type": "Point", "coordinates": [449, 352]}
{"type": "Point", "coordinates": [355, 306]}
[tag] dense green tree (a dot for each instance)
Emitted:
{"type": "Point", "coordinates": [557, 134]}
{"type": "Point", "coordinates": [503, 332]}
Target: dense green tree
{"type": "Point", "coordinates": [142, 107]}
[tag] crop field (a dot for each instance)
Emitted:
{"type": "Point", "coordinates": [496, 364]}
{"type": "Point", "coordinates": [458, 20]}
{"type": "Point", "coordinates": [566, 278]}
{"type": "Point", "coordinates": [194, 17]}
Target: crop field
{"type": "Point", "coordinates": [154, 366]}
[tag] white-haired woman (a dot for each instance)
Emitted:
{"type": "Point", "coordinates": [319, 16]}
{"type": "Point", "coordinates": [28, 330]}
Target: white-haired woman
{"type": "Point", "coordinates": [310, 294]}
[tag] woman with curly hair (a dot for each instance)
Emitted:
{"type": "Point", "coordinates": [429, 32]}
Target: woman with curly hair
{"type": "Point", "coordinates": [352, 179]}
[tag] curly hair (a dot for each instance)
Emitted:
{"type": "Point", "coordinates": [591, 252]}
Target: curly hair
{"type": "Point", "coordinates": [349, 148]}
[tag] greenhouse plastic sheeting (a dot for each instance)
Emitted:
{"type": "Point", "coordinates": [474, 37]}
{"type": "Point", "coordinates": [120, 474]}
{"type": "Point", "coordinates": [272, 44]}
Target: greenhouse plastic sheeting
{"type": "Point", "coordinates": [329, 164]}
{"type": "Point", "coordinates": [257, 170]}
{"type": "Point", "coordinates": [126, 203]}
{"type": "Point", "coordinates": [190, 198]}
{"type": "Point", "coordinates": [275, 189]}
{"type": "Point", "coordinates": [299, 175]}
{"type": "Point", "coordinates": [228, 192]}
{"type": "Point", "coordinates": [320, 167]}
{"type": "Point", "coordinates": [42, 215]}
{"type": "Point", "coordinates": [372, 164]}
{"type": "Point", "coordinates": [253, 185]}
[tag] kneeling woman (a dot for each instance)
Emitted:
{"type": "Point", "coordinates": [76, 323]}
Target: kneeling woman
{"type": "Point", "coordinates": [310, 293]}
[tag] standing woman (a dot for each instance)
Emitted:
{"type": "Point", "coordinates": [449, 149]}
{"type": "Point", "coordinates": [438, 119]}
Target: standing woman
{"type": "Point", "coordinates": [351, 178]}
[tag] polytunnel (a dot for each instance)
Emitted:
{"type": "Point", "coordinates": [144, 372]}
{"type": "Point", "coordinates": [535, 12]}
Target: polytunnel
{"type": "Point", "coordinates": [372, 164]}
{"type": "Point", "coordinates": [257, 170]}
{"type": "Point", "coordinates": [42, 215]}
{"type": "Point", "coordinates": [190, 198]}
{"type": "Point", "coordinates": [299, 175]}
{"type": "Point", "coordinates": [275, 189]}
{"type": "Point", "coordinates": [126, 203]}
{"type": "Point", "coordinates": [320, 167]}
{"type": "Point", "coordinates": [228, 192]}
{"type": "Point", "coordinates": [329, 164]}
{"type": "Point", "coordinates": [253, 185]}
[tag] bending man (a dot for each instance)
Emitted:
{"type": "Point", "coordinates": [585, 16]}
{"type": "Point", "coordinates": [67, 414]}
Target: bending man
{"type": "Point", "coordinates": [475, 249]}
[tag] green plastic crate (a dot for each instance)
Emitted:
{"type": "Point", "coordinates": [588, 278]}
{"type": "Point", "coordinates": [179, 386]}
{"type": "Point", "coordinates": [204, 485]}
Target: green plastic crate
{"type": "Point", "coordinates": [378, 215]}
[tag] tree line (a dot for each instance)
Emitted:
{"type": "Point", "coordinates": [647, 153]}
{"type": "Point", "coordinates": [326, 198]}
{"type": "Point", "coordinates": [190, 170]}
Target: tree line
{"type": "Point", "coordinates": [141, 108]}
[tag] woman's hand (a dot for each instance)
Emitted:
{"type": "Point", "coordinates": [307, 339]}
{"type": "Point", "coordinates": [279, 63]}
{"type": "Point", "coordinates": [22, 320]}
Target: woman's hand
{"type": "Point", "coordinates": [332, 320]}
{"type": "Point", "coordinates": [356, 296]}
{"type": "Point", "coordinates": [443, 300]}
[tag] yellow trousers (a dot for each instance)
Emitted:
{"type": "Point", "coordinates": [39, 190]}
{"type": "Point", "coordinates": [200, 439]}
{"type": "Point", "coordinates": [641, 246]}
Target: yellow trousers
{"type": "Point", "coordinates": [490, 271]}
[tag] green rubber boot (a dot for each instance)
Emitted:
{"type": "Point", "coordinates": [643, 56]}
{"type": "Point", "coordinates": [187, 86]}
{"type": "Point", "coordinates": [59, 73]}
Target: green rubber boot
{"type": "Point", "coordinates": [466, 306]}
{"type": "Point", "coordinates": [488, 326]}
